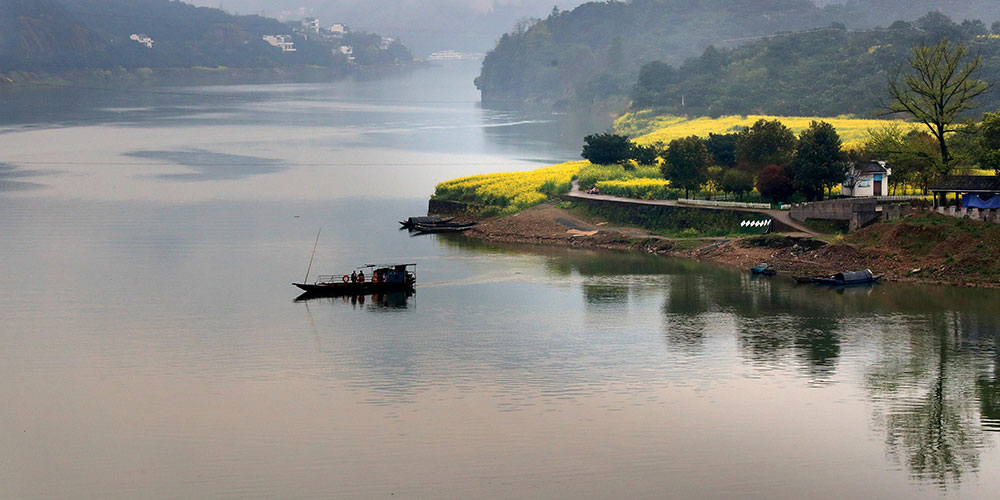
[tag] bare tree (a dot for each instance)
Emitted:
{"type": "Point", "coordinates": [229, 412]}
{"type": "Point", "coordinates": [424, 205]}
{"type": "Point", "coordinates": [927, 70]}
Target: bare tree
{"type": "Point", "coordinates": [939, 89]}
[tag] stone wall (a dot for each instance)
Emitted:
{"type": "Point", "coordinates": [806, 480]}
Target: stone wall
{"type": "Point", "coordinates": [859, 212]}
{"type": "Point", "coordinates": [992, 215]}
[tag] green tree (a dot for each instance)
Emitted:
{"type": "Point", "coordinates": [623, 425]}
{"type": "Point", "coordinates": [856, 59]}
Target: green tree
{"type": "Point", "coordinates": [988, 154]}
{"type": "Point", "coordinates": [938, 90]}
{"type": "Point", "coordinates": [606, 149]}
{"type": "Point", "coordinates": [819, 162]}
{"type": "Point", "coordinates": [737, 182]}
{"type": "Point", "coordinates": [644, 155]}
{"type": "Point", "coordinates": [767, 142]}
{"type": "Point", "coordinates": [723, 148]}
{"type": "Point", "coordinates": [686, 163]}
{"type": "Point", "coordinates": [919, 160]}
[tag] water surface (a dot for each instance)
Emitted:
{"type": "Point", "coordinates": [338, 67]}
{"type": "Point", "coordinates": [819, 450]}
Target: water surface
{"type": "Point", "coordinates": [151, 347]}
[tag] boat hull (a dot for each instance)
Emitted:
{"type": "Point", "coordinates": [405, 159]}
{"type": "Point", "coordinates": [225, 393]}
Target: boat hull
{"type": "Point", "coordinates": [834, 282]}
{"type": "Point", "coordinates": [340, 289]}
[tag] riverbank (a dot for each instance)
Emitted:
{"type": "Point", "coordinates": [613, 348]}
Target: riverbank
{"type": "Point", "coordinates": [222, 75]}
{"type": "Point", "coordinates": [925, 248]}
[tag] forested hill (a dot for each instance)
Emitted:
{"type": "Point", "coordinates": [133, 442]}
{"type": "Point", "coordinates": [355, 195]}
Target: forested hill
{"type": "Point", "coordinates": [60, 35]}
{"type": "Point", "coordinates": [594, 51]}
{"type": "Point", "coordinates": [815, 73]}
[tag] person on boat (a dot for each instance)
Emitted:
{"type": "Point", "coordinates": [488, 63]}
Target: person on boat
{"type": "Point", "coordinates": [361, 276]}
{"type": "Point", "coordinates": [354, 277]}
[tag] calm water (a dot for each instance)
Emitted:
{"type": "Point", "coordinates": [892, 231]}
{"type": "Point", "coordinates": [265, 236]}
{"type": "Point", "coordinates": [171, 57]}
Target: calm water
{"type": "Point", "coordinates": [150, 346]}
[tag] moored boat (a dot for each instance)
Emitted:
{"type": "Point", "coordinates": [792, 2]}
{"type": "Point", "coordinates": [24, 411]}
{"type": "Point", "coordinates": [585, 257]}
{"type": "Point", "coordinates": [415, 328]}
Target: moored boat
{"type": "Point", "coordinates": [382, 278]}
{"type": "Point", "coordinates": [429, 219]}
{"type": "Point", "coordinates": [859, 277]}
{"type": "Point", "coordinates": [763, 269]}
{"type": "Point", "coordinates": [443, 227]}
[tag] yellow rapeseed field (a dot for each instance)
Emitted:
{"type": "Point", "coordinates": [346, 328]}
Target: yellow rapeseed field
{"type": "Point", "coordinates": [641, 188]}
{"type": "Point", "coordinates": [509, 192]}
{"type": "Point", "coordinates": [646, 127]}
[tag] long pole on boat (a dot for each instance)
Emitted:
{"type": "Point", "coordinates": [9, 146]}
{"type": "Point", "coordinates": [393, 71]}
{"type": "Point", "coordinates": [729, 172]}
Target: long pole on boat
{"type": "Point", "coordinates": [309, 268]}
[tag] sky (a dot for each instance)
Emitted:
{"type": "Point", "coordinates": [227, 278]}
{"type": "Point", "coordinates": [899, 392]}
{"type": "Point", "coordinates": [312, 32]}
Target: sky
{"type": "Point", "coordinates": [423, 25]}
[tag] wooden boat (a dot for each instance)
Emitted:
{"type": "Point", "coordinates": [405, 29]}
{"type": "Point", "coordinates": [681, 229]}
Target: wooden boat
{"type": "Point", "coordinates": [430, 219]}
{"type": "Point", "coordinates": [381, 278]}
{"type": "Point", "coordinates": [861, 277]}
{"type": "Point", "coordinates": [803, 279]}
{"type": "Point", "coordinates": [763, 269]}
{"type": "Point", "coordinates": [445, 227]}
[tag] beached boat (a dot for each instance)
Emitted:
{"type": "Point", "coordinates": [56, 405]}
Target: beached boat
{"type": "Point", "coordinates": [429, 219]}
{"type": "Point", "coordinates": [763, 269]}
{"type": "Point", "coordinates": [861, 277]}
{"type": "Point", "coordinates": [443, 227]}
{"type": "Point", "coordinates": [380, 278]}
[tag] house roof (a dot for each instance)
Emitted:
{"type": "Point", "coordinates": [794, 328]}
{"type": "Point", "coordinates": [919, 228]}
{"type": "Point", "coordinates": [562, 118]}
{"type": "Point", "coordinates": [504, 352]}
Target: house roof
{"type": "Point", "coordinates": [968, 184]}
{"type": "Point", "coordinates": [877, 167]}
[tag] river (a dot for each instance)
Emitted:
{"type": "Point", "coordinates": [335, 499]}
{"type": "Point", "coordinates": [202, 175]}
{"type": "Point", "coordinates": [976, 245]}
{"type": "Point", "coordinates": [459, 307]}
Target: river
{"type": "Point", "coordinates": [151, 346]}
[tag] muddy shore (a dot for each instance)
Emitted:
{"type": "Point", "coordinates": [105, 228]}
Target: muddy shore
{"type": "Point", "coordinates": [878, 248]}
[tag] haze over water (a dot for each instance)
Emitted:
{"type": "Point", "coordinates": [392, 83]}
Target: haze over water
{"type": "Point", "coordinates": [150, 346]}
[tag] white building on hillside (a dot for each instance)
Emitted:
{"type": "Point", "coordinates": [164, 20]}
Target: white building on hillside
{"type": "Point", "coordinates": [311, 24]}
{"type": "Point", "coordinates": [340, 29]}
{"type": "Point", "coordinates": [869, 178]}
{"type": "Point", "coordinates": [142, 39]}
{"type": "Point", "coordinates": [283, 42]}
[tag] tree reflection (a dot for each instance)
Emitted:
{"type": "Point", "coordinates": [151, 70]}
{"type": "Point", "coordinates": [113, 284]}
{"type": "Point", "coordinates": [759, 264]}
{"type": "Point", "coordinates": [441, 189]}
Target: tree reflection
{"type": "Point", "coordinates": [928, 399]}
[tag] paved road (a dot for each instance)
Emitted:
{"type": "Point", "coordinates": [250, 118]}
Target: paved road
{"type": "Point", "coordinates": [781, 216]}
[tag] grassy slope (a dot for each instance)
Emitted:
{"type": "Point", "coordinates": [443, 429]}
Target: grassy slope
{"type": "Point", "coordinates": [943, 248]}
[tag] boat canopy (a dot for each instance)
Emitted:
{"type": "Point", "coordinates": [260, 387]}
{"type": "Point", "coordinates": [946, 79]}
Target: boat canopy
{"type": "Point", "coordinates": [864, 274]}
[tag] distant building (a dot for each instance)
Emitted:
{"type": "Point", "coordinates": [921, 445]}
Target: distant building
{"type": "Point", "coordinates": [340, 29]}
{"type": "Point", "coordinates": [969, 191]}
{"type": "Point", "coordinates": [869, 178]}
{"type": "Point", "coordinates": [142, 39]}
{"type": "Point", "coordinates": [348, 51]}
{"type": "Point", "coordinates": [386, 42]}
{"type": "Point", "coordinates": [311, 24]}
{"type": "Point", "coordinates": [283, 42]}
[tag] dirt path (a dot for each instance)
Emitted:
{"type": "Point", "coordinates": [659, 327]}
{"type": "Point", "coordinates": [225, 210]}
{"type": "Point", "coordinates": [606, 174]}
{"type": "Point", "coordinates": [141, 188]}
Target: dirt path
{"type": "Point", "coordinates": [781, 216]}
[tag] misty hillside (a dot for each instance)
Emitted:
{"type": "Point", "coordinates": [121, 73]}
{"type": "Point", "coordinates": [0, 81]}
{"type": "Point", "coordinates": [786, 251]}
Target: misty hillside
{"type": "Point", "coordinates": [813, 73]}
{"type": "Point", "coordinates": [59, 35]}
{"type": "Point", "coordinates": [594, 52]}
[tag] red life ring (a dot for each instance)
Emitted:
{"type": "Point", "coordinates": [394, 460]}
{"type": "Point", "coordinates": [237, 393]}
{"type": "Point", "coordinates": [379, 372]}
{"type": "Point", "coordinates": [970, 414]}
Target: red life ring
{"type": "Point", "coordinates": [346, 278]}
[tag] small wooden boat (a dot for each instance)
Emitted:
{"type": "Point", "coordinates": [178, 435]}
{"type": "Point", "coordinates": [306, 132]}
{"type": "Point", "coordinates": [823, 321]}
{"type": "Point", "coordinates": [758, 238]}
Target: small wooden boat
{"type": "Point", "coordinates": [430, 219]}
{"type": "Point", "coordinates": [861, 277]}
{"type": "Point", "coordinates": [763, 270]}
{"type": "Point", "coordinates": [445, 227]}
{"type": "Point", "coordinates": [382, 278]}
{"type": "Point", "coordinates": [803, 279]}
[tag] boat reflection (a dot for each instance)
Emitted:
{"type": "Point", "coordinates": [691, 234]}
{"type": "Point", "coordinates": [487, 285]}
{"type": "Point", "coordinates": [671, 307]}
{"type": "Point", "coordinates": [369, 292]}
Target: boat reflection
{"type": "Point", "coordinates": [386, 300]}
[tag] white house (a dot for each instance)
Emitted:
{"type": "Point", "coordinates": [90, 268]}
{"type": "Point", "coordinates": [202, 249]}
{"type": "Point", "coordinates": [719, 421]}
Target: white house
{"type": "Point", "coordinates": [142, 39]}
{"type": "Point", "coordinates": [283, 42]}
{"type": "Point", "coordinates": [340, 29]}
{"type": "Point", "coordinates": [386, 42]}
{"type": "Point", "coordinates": [869, 178]}
{"type": "Point", "coordinates": [311, 24]}
{"type": "Point", "coordinates": [347, 50]}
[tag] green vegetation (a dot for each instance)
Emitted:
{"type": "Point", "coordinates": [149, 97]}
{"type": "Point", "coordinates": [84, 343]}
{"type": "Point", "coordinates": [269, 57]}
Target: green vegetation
{"type": "Point", "coordinates": [672, 222]}
{"type": "Point", "coordinates": [594, 53]}
{"type": "Point", "coordinates": [828, 72]}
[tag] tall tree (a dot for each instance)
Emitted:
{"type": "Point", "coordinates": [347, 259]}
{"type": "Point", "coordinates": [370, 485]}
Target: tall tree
{"type": "Point", "coordinates": [989, 142]}
{"type": "Point", "coordinates": [606, 149]}
{"type": "Point", "coordinates": [819, 162]}
{"type": "Point", "coordinates": [940, 87]}
{"type": "Point", "coordinates": [686, 163]}
{"type": "Point", "coordinates": [767, 142]}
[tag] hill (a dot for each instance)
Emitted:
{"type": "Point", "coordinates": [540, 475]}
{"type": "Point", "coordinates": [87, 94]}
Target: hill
{"type": "Point", "coordinates": [830, 72]}
{"type": "Point", "coordinates": [55, 36]}
{"type": "Point", "coordinates": [594, 52]}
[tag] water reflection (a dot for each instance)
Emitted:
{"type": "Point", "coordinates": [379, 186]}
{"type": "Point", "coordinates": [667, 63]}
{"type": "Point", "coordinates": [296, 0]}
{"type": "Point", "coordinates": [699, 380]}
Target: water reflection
{"type": "Point", "coordinates": [9, 172]}
{"type": "Point", "coordinates": [210, 165]}
{"type": "Point", "coordinates": [375, 302]}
